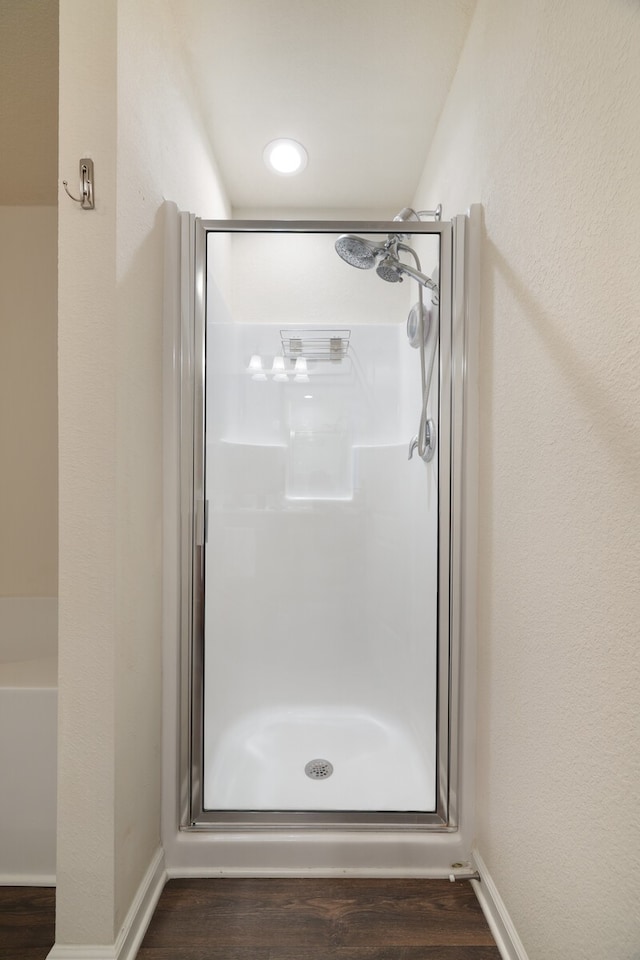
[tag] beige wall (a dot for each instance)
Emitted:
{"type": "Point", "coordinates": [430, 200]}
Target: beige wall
{"type": "Point", "coordinates": [144, 135]}
{"type": "Point", "coordinates": [28, 295]}
{"type": "Point", "coordinates": [541, 126]}
{"type": "Point", "coordinates": [28, 398]}
{"type": "Point", "coordinates": [28, 102]}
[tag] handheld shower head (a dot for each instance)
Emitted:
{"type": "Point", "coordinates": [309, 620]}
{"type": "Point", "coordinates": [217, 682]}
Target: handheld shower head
{"type": "Point", "coordinates": [389, 269]}
{"type": "Point", "coordinates": [358, 252]}
{"type": "Point", "coordinates": [393, 270]}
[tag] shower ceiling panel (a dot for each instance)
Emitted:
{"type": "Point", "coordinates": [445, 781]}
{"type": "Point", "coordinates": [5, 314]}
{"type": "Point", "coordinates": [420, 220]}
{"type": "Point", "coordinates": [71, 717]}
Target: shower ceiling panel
{"type": "Point", "coordinates": [361, 84]}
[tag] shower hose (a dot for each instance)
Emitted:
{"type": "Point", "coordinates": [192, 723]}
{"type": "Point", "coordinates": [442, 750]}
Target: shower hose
{"type": "Point", "coordinates": [426, 369]}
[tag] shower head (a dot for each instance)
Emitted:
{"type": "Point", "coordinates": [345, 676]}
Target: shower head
{"type": "Point", "coordinates": [365, 254]}
{"type": "Point", "coordinates": [358, 252]}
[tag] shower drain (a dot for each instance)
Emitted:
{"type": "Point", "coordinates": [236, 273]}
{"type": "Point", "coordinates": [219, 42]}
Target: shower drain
{"type": "Point", "coordinates": [318, 769]}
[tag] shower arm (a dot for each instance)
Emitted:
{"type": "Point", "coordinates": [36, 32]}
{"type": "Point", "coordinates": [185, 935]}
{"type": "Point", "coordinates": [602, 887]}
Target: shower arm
{"type": "Point", "coordinates": [435, 214]}
{"type": "Point", "coordinates": [408, 213]}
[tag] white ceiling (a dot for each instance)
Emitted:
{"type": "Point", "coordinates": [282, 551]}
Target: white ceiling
{"type": "Point", "coordinates": [360, 83]}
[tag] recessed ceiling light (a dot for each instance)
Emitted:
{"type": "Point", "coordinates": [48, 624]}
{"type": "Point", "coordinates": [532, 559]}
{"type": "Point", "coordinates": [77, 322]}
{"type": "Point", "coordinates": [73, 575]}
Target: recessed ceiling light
{"type": "Point", "coordinates": [285, 157]}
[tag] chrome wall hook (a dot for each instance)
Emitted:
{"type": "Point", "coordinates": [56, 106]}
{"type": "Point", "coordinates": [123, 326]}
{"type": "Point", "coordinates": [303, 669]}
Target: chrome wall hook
{"type": "Point", "coordinates": [86, 199]}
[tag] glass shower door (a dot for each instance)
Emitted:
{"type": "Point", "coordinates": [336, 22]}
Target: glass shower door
{"type": "Point", "coordinates": [320, 571]}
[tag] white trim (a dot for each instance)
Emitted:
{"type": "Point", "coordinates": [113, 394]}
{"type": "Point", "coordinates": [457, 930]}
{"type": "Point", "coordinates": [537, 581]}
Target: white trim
{"type": "Point", "coordinates": [27, 879]}
{"type": "Point", "coordinates": [141, 910]}
{"type": "Point", "coordinates": [316, 853]}
{"type": "Point", "coordinates": [135, 924]}
{"type": "Point", "coordinates": [82, 952]}
{"type": "Point", "coordinates": [497, 916]}
{"type": "Point", "coordinates": [284, 873]}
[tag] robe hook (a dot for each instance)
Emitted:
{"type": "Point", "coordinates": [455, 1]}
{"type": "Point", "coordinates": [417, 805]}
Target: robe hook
{"type": "Point", "coordinates": [85, 199]}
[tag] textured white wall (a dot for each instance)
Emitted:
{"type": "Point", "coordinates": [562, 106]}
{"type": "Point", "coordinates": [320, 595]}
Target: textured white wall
{"type": "Point", "coordinates": [87, 464]}
{"type": "Point", "coordinates": [541, 126]}
{"type": "Point", "coordinates": [28, 398]}
{"type": "Point", "coordinates": [163, 154]}
{"type": "Point", "coordinates": [144, 135]}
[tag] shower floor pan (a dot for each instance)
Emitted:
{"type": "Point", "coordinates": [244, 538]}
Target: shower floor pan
{"type": "Point", "coordinates": [259, 763]}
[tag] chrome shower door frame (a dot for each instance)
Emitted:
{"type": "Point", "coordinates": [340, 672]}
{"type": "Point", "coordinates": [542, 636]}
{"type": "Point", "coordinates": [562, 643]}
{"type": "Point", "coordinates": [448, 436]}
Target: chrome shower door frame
{"type": "Point", "coordinates": [452, 240]}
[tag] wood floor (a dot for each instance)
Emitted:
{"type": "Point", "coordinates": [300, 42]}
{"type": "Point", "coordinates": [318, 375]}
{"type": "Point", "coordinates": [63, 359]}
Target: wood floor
{"type": "Point", "coordinates": [27, 922]}
{"type": "Point", "coordinates": [341, 919]}
{"type": "Point", "coordinates": [309, 919]}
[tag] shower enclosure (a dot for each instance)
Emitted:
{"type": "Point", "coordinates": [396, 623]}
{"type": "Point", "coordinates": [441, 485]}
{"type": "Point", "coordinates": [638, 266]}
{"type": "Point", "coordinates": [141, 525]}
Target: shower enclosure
{"type": "Point", "coordinates": [320, 481]}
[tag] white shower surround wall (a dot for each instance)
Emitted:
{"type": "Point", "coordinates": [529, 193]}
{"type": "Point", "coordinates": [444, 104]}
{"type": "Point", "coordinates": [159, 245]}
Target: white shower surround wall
{"type": "Point", "coordinates": [312, 851]}
{"type": "Point", "coordinates": [321, 577]}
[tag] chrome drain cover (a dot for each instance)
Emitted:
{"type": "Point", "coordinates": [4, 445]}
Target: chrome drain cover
{"type": "Point", "coordinates": [318, 769]}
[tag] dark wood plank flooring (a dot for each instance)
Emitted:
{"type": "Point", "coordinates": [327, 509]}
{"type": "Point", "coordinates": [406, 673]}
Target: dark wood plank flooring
{"type": "Point", "coordinates": [311, 919]}
{"type": "Point", "coordinates": [299, 919]}
{"type": "Point", "coordinates": [27, 922]}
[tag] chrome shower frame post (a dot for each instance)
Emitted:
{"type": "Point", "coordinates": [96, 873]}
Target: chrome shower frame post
{"type": "Point", "coordinates": [194, 520]}
{"type": "Point", "coordinates": [452, 372]}
{"type": "Point", "coordinates": [457, 366]}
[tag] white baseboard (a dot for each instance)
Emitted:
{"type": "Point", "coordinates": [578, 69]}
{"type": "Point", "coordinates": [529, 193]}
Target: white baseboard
{"type": "Point", "coordinates": [27, 880]}
{"type": "Point", "coordinates": [80, 952]}
{"type": "Point", "coordinates": [135, 924]}
{"type": "Point", "coordinates": [497, 916]}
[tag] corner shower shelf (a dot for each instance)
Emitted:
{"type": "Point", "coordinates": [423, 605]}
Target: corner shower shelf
{"type": "Point", "coordinates": [315, 344]}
